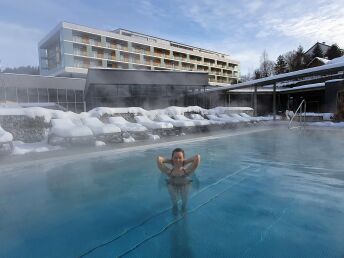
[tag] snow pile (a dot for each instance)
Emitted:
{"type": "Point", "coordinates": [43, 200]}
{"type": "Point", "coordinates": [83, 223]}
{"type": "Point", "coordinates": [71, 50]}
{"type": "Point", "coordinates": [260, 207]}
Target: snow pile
{"type": "Point", "coordinates": [99, 143]}
{"type": "Point", "coordinates": [20, 148]}
{"type": "Point", "coordinates": [98, 127]}
{"type": "Point", "coordinates": [34, 112]}
{"type": "Point", "coordinates": [128, 139]}
{"type": "Point", "coordinates": [124, 125]}
{"type": "Point", "coordinates": [328, 116]}
{"type": "Point", "coordinates": [66, 128]}
{"type": "Point", "coordinates": [100, 111]}
{"type": "Point", "coordinates": [5, 136]}
{"type": "Point", "coordinates": [170, 111]}
{"type": "Point", "coordinates": [153, 137]}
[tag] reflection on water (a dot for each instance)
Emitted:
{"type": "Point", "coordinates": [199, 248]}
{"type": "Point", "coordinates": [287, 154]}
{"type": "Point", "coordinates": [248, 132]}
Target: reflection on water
{"type": "Point", "coordinates": [180, 239]}
{"type": "Point", "coordinates": [178, 189]}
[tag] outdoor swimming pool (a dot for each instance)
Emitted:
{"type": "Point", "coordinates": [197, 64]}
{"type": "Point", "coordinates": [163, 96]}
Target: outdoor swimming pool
{"type": "Point", "coordinates": [275, 193]}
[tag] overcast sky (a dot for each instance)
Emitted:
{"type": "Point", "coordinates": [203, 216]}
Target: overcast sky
{"type": "Point", "coordinates": [242, 29]}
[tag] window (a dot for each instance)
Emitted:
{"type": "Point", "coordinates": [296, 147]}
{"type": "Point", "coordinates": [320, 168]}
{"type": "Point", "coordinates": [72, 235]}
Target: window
{"type": "Point", "coordinates": [22, 95]}
{"type": "Point", "coordinates": [70, 96]}
{"type": "Point", "coordinates": [62, 95]}
{"type": "Point", "coordinates": [33, 95]}
{"type": "Point", "coordinates": [43, 95]}
{"type": "Point", "coordinates": [52, 95]}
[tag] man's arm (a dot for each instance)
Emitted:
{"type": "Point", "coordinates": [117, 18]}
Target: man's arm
{"type": "Point", "coordinates": [161, 161]}
{"type": "Point", "coordinates": [194, 164]}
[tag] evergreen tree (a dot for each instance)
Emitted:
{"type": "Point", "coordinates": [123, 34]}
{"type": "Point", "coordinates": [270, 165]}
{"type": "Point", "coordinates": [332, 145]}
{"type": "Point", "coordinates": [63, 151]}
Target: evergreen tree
{"type": "Point", "coordinates": [290, 58]}
{"type": "Point", "coordinates": [281, 65]}
{"type": "Point", "coordinates": [299, 59]}
{"type": "Point", "coordinates": [333, 52]}
{"type": "Point", "coordinates": [317, 52]}
{"type": "Point", "coordinates": [307, 59]}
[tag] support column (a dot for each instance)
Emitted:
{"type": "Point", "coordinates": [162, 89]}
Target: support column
{"type": "Point", "coordinates": [274, 101]}
{"type": "Point", "coordinates": [255, 101]}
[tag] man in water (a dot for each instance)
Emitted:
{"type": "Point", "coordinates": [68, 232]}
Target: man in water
{"type": "Point", "coordinates": [178, 182]}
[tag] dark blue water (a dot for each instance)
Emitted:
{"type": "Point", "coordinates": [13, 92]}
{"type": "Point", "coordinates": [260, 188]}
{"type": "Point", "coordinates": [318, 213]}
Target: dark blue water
{"type": "Point", "coordinates": [269, 194]}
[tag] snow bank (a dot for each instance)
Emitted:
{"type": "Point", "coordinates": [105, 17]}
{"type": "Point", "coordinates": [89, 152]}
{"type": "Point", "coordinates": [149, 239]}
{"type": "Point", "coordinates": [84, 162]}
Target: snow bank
{"type": "Point", "coordinates": [99, 143]}
{"type": "Point", "coordinates": [34, 112]}
{"type": "Point", "coordinates": [5, 136]}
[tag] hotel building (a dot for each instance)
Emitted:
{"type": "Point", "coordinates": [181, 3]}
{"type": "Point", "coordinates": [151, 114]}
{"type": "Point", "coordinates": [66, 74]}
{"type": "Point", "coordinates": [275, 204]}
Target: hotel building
{"type": "Point", "coordinates": [70, 49]}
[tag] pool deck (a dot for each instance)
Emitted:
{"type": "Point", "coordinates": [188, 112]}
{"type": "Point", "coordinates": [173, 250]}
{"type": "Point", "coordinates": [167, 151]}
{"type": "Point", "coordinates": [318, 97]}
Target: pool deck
{"type": "Point", "coordinates": [85, 152]}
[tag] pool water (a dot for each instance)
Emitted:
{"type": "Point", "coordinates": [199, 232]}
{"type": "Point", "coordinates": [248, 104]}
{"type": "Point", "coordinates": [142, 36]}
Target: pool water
{"type": "Point", "coordinates": [276, 193]}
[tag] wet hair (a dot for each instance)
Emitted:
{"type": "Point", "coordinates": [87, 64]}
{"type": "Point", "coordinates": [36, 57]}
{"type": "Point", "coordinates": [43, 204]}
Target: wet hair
{"type": "Point", "coordinates": [178, 150]}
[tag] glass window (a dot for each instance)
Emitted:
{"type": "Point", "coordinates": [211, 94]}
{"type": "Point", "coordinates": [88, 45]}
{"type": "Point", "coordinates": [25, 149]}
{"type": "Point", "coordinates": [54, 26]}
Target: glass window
{"type": "Point", "coordinates": [2, 94]}
{"type": "Point", "coordinates": [52, 95]}
{"type": "Point", "coordinates": [22, 95]}
{"type": "Point", "coordinates": [11, 94]}
{"type": "Point", "coordinates": [62, 95]}
{"type": "Point", "coordinates": [79, 95]}
{"type": "Point", "coordinates": [43, 95]}
{"type": "Point", "coordinates": [33, 95]}
{"type": "Point", "coordinates": [70, 96]}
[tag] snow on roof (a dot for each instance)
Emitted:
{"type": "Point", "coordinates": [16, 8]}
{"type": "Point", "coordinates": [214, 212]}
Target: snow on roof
{"type": "Point", "coordinates": [324, 60]}
{"type": "Point", "coordinates": [308, 86]}
{"type": "Point", "coordinates": [336, 60]}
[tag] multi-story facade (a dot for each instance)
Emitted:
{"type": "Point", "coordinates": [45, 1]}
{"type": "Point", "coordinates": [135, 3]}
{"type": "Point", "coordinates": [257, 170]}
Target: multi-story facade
{"type": "Point", "coordinates": [70, 49]}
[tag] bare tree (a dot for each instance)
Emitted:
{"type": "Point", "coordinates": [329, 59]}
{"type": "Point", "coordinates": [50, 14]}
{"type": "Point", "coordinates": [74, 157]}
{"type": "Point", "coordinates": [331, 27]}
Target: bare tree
{"type": "Point", "coordinates": [266, 66]}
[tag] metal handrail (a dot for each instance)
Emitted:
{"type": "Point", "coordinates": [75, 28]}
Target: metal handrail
{"type": "Point", "coordinates": [302, 116]}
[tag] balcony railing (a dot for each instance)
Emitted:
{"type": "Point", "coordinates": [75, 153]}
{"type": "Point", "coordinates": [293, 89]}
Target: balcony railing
{"type": "Point", "coordinates": [79, 53]}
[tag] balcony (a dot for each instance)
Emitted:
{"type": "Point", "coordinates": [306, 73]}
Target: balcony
{"type": "Point", "coordinates": [136, 61]}
{"type": "Point", "coordinates": [121, 47]}
{"type": "Point", "coordinates": [95, 42]}
{"type": "Point", "coordinates": [79, 53]}
{"type": "Point", "coordinates": [124, 59]}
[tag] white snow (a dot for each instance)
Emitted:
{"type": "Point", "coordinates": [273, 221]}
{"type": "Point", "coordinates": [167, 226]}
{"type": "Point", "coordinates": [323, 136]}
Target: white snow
{"type": "Point", "coordinates": [152, 124]}
{"type": "Point", "coordinates": [195, 122]}
{"type": "Point", "coordinates": [126, 126]}
{"type": "Point", "coordinates": [66, 128]}
{"type": "Point", "coordinates": [98, 127]}
{"type": "Point", "coordinates": [167, 119]}
{"type": "Point", "coordinates": [99, 143]}
{"type": "Point", "coordinates": [5, 136]}
{"type": "Point", "coordinates": [328, 116]}
{"type": "Point", "coordinates": [153, 137]}
{"type": "Point", "coordinates": [128, 139]}
{"type": "Point", "coordinates": [34, 112]}
{"type": "Point", "coordinates": [336, 60]}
